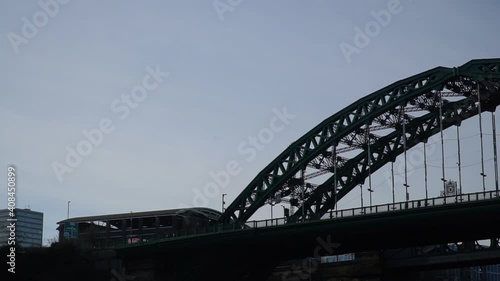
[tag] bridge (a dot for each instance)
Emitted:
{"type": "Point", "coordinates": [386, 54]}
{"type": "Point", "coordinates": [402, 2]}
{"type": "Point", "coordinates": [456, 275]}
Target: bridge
{"type": "Point", "coordinates": [331, 161]}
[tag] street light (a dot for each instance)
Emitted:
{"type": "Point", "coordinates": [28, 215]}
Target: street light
{"type": "Point", "coordinates": [68, 208]}
{"type": "Point", "coordinates": [272, 204]}
{"type": "Point", "coordinates": [370, 190]}
{"type": "Point", "coordinates": [223, 202]}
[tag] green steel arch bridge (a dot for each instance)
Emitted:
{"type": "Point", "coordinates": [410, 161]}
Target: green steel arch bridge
{"type": "Point", "coordinates": [346, 149]}
{"type": "Point", "coordinates": [355, 129]}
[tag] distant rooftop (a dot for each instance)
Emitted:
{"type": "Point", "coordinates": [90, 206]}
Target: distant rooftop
{"type": "Point", "coordinates": [210, 213]}
{"type": "Point", "coordinates": [20, 209]}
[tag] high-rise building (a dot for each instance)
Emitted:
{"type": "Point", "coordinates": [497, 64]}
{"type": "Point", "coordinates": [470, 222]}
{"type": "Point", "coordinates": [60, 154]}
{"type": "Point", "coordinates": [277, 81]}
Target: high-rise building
{"type": "Point", "coordinates": [29, 228]}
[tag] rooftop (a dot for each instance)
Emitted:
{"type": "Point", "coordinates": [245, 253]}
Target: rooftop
{"type": "Point", "coordinates": [210, 213]}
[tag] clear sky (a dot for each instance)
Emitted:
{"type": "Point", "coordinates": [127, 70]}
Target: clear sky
{"type": "Point", "coordinates": [69, 66]}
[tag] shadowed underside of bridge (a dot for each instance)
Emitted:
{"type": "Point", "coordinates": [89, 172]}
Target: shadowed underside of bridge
{"type": "Point", "coordinates": [254, 253]}
{"type": "Point", "coordinates": [371, 129]}
{"type": "Point", "coordinates": [348, 146]}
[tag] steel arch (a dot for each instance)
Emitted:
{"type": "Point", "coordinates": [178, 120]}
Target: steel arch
{"type": "Point", "coordinates": [352, 127]}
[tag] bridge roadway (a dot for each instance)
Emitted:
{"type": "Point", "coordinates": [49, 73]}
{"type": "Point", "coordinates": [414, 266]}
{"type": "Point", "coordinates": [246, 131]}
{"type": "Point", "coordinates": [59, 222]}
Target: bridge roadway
{"type": "Point", "coordinates": [253, 252]}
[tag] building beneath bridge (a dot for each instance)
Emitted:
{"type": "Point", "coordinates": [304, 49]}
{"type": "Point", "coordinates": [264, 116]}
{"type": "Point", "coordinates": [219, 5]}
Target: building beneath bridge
{"type": "Point", "coordinates": [128, 228]}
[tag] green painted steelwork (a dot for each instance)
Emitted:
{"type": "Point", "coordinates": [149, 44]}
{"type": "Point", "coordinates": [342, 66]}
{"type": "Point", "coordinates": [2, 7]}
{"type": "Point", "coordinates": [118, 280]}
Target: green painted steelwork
{"type": "Point", "coordinates": [462, 200]}
{"type": "Point", "coordinates": [232, 255]}
{"type": "Point", "coordinates": [406, 228]}
{"type": "Point", "coordinates": [351, 129]}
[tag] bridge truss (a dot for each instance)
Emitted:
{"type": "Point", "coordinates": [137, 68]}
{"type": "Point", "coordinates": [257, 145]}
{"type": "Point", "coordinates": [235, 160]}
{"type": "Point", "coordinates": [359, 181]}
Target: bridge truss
{"type": "Point", "coordinates": [366, 135]}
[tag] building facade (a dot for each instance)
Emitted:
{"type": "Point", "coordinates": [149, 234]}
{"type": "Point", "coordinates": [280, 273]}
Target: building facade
{"type": "Point", "coordinates": [128, 228]}
{"type": "Point", "coordinates": [29, 228]}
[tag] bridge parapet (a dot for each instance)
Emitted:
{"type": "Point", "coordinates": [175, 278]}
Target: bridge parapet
{"type": "Point", "coordinates": [407, 206]}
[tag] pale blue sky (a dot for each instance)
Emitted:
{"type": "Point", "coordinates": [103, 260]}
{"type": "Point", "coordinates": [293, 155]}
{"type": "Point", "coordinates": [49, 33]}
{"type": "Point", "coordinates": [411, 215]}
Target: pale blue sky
{"type": "Point", "coordinates": [226, 76]}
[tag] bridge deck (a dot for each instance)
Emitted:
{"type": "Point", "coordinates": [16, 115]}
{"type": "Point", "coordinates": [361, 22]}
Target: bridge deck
{"type": "Point", "coordinates": [263, 248]}
{"type": "Point", "coordinates": [425, 225]}
{"type": "Point", "coordinates": [333, 217]}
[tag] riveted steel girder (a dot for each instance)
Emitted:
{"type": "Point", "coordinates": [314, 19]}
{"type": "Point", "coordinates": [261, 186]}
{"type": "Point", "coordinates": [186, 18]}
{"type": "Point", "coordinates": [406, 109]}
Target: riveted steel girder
{"type": "Point", "coordinates": [384, 108]}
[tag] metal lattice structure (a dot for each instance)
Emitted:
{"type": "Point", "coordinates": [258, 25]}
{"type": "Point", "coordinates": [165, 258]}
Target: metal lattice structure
{"type": "Point", "coordinates": [366, 135]}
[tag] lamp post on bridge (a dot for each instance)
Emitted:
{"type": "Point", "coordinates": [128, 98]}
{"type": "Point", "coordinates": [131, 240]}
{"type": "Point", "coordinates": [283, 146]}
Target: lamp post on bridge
{"type": "Point", "coordinates": [223, 202]}
{"type": "Point", "coordinates": [272, 204]}
{"type": "Point", "coordinates": [370, 191]}
{"type": "Point", "coordinates": [68, 209]}
{"type": "Point", "coordinates": [361, 188]}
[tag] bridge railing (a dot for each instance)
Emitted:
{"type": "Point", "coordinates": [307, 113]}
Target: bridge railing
{"type": "Point", "coordinates": [334, 214]}
{"type": "Point", "coordinates": [268, 222]}
{"type": "Point", "coordinates": [390, 207]}
{"type": "Point", "coordinates": [415, 204]}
